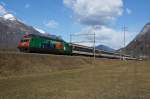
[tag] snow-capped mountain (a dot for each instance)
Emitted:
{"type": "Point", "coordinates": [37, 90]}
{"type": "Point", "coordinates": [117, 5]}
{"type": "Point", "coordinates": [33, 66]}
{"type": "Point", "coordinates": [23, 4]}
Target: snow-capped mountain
{"type": "Point", "coordinates": [40, 30]}
{"type": "Point", "coordinates": [11, 30]}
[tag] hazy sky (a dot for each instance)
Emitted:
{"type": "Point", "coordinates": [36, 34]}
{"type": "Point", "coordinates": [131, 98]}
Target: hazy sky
{"type": "Point", "coordinates": [62, 17]}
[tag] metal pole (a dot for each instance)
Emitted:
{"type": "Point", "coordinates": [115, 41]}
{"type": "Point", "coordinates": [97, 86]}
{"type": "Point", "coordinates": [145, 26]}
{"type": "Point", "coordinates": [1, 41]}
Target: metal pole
{"type": "Point", "coordinates": [124, 37]}
{"type": "Point", "coordinates": [124, 32]}
{"type": "Point", "coordinates": [121, 54]}
{"type": "Point", "coordinates": [124, 43]}
{"type": "Point", "coordinates": [94, 47]}
{"type": "Point", "coordinates": [70, 38]}
{"type": "Point", "coordinates": [145, 46]}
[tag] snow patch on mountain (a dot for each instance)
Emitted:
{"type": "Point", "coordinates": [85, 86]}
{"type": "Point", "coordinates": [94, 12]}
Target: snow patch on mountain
{"type": "Point", "coordinates": [40, 30]}
{"type": "Point", "coordinates": [9, 17]}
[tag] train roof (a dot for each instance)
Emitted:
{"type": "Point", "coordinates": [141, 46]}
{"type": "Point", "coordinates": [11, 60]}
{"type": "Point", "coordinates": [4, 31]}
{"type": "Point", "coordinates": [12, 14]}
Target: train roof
{"type": "Point", "coordinates": [53, 37]}
{"type": "Point", "coordinates": [103, 51]}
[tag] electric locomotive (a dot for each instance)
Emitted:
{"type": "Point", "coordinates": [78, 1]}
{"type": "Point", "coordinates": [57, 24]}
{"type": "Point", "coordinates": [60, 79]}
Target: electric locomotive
{"type": "Point", "coordinates": [46, 44]}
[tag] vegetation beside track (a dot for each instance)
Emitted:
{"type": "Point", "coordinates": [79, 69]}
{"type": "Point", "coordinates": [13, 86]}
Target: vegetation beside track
{"type": "Point", "coordinates": [42, 76]}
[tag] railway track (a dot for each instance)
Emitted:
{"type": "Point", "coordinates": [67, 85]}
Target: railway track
{"type": "Point", "coordinates": [88, 51]}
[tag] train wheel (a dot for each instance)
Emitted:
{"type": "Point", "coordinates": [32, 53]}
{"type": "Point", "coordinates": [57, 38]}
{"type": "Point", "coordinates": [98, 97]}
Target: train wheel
{"type": "Point", "coordinates": [27, 50]}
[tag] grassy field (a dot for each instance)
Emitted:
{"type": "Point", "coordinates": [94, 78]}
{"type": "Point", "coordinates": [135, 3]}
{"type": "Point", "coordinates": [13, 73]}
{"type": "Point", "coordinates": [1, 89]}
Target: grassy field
{"type": "Point", "coordinates": [67, 77]}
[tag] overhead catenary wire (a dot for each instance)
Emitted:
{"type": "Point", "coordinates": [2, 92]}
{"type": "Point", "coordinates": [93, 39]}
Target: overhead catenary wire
{"type": "Point", "coordinates": [85, 41]}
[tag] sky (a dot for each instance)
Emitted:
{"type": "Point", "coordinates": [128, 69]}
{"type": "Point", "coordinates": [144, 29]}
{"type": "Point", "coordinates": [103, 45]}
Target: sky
{"type": "Point", "coordinates": [105, 18]}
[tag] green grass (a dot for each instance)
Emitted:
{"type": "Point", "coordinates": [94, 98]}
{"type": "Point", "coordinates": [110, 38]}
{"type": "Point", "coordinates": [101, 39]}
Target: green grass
{"type": "Point", "coordinates": [107, 79]}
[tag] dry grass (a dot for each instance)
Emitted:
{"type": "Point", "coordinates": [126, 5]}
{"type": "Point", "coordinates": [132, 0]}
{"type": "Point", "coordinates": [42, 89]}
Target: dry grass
{"type": "Point", "coordinates": [13, 63]}
{"type": "Point", "coordinates": [77, 79]}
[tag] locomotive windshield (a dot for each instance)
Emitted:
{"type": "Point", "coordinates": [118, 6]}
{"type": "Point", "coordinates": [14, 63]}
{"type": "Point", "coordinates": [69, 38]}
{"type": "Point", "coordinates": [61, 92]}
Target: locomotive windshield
{"type": "Point", "coordinates": [24, 40]}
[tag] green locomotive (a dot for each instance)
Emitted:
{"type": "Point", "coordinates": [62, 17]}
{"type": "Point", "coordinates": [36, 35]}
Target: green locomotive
{"type": "Point", "coordinates": [46, 44]}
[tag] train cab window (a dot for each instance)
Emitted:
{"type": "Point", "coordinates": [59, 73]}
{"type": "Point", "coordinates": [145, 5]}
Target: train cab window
{"type": "Point", "coordinates": [25, 40]}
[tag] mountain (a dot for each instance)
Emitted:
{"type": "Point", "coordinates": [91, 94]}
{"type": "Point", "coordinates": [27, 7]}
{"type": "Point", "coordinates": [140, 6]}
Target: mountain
{"type": "Point", "coordinates": [105, 48]}
{"type": "Point", "coordinates": [140, 46]}
{"type": "Point", "coordinates": [11, 30]}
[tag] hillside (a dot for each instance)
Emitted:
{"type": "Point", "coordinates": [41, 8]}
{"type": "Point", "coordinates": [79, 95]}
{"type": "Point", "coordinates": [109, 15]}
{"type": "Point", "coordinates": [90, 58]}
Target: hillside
{"type": "Point", "coordinates": [16, 63]}
{"type": "Point", "coordinates": [140, 46]}
{"type": "Point", "coordinates": [10, 31]}
{"type": "Point", "coordinates": [105, 48]}
{"type": "Point", "coordinates": [43, 76]}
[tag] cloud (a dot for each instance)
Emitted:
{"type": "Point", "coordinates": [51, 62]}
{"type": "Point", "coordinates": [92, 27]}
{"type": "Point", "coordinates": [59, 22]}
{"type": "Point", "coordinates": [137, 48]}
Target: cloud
{"type": "Point", "coordinates": [27, 6]}
{"type": "Point", "coordinates": [96, 15]}
{"type": "Point", "coordinates": [95, 12]}
{"type": "Point", "coordinates": [106, 36]}
{"type": "Point", "coordinates": [2, 10]}
{"type": "Point", "coordinates": [3, 3]}
{"type": "Point", "coordinates": [128, 11]}
{"type": "Point", "coordinates": [52, 24]}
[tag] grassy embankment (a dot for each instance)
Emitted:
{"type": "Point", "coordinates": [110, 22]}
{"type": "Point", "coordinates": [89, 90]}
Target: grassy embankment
{"type": "Point", "coordinates": [32, 76]}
